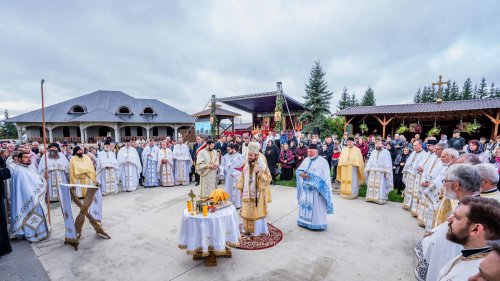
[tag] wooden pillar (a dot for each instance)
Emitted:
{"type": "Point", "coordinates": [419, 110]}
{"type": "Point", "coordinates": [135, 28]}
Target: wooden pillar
{"type": "Point", "coordinates": [384, 123]}
{"type": "Point", "coordinates": [347, 123]}
{"type": "Point", "coordinates": [495, 120]}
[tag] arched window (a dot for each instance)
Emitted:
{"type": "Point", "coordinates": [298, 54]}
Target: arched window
{"type": "Point", "coordinates": [155, 131]}
{"type": "Point", "coordinates": [148, 110]}
{"type": "Point", "coordinates": [139, 131]}
{"type": "Point", "coordinates": [127, 132]}
{"type": "Point", "coordinates": [77, 109]}
{"type": "Point", "coordinates": [124, 110]}
{"type": "Point", "coordinates": [66, 133]}
{"type": "Point", "coordinates": [78, 132]}
{"type": "Point", "coordinates": [103, 131]}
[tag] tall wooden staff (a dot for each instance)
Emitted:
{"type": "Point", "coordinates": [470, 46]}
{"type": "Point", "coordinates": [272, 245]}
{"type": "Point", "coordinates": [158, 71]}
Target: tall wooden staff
{"type": "Point", "coordinates": [47, 196]}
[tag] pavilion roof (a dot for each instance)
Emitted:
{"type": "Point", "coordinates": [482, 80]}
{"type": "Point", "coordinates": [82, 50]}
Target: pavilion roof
{"type": "Point", "coordinates": [220, 112]}
{"type": "Point", "coordinates": [431, 107]}
{"type": "Point", "coordinates": [261, 102]}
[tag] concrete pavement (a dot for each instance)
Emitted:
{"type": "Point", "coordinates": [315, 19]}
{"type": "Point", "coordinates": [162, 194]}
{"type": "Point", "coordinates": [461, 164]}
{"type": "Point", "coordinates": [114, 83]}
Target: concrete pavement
{"type": "Point", "coordinates": [364, 241]}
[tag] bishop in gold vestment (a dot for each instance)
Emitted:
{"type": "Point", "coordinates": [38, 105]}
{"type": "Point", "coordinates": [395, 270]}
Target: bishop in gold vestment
{"type": "Point", "coordinates": [255, 192]}
{"type": "Point", "coordinates": [350, 170]}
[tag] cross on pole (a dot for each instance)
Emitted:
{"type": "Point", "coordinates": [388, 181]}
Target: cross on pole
{"type": "Point", "coordinates": [439, 84]}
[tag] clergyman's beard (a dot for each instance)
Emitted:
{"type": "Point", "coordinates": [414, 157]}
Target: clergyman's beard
{"type": "Point", "coordinates": [450, 194]}
{"type": "Point", "coordinates": [462, 237]}
{"type": "Point", "coordinates": [54, 154]}
{"type": "Point", "coordinates": [378, 147]}
{"type": "Point", "coordinates": [79, 155]}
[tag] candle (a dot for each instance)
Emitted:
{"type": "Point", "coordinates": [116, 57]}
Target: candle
{"type": "Point", "coordinates": [205, 210]}
{"type": "Point", "coordinates": [190, 206]}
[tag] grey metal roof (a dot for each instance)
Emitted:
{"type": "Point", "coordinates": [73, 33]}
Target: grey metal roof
{"type": "Point", "coordinates": [261, 102]}
{"type": "Point", "coordinates": [218, 112]}
{"type": "Point", "coordinates": [445, 106]}
{"type": "Point", "coordinates": [101, 106]}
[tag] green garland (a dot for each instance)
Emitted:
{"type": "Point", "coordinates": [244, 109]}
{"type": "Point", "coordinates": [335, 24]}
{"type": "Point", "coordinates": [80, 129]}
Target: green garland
{"type": "Point", "coordinates": [472, 127]}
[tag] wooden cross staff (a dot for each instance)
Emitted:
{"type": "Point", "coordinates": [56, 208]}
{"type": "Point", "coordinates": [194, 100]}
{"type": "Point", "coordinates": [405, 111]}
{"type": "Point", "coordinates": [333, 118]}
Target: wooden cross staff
{"type": "Point", "coordinates": [439, 84]}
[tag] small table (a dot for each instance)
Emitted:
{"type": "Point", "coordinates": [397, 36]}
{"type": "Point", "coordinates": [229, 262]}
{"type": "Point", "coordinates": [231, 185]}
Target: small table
{"type": "Point", "coordinates": [208, 237]}
{"type": "Point", "coordinates": [74, 227]}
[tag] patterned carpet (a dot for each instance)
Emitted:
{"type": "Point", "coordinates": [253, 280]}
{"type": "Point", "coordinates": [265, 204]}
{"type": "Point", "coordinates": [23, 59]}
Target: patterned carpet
{"type": "Point", "coordinates": [263, 241]}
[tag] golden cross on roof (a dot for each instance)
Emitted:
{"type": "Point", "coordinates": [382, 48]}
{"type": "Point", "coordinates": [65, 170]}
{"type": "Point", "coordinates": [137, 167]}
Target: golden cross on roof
{"type": "Point", "coordinates": [439, 84]}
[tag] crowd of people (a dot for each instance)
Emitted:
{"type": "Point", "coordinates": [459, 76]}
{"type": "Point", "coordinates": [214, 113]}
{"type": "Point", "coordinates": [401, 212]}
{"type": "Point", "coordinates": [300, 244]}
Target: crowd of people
{"type": "Point", "coordinates": [449, 185]}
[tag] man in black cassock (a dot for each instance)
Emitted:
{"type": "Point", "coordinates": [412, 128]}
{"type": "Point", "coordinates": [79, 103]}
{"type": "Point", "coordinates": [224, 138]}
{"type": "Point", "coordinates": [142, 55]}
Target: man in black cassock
{"type": "Point", "coordinates": [4, 234]}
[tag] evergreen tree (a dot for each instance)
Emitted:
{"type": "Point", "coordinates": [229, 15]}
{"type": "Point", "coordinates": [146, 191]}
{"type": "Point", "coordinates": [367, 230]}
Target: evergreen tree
{"type": "Point", "coordinates": [8, 130]}
{"type": "Point", "coordinates": [368, 98]}
{"type": "Point", "coordinates": [497, 93]}
{"type": "Point", "coordinates": [482, 91]}
{"type": "Point", "coordinates": [317, 98]}
{"type": "Point", "coordinates": [447, 92]}
{"type": "Point", "coordinates": [345, 100]}
{"type": "Point", "coordinates": [432, 94]}
{"type": "Point", "coordinates": [474, 92]}
{"type": "Point", "coordinates": [317, 101]}
{"type": "Point", "coordinates": [454, 91]}
{"type": "Point", "coordinates": [492, 91]}
{"type": "Point", "coordinates": [467, 90]}
{"type": "Point", "coordinates": [354, 101]}
{"type": "Point", "coordinates": [418, 96]}
{"type": "Point", "coordinates": [425, 95]}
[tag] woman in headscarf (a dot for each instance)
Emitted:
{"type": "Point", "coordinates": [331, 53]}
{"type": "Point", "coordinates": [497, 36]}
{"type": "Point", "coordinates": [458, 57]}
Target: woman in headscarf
{"type": "Point", "coordinates": [287, 161]}
{"type": "Point", "coordinates": [363, 147]}
{"type": "Point", "coordinates": [475, 147]}
{"type": "Point", "coordinates": [301, 153]}
{"type": "Point", "coordinates": [272, 156]}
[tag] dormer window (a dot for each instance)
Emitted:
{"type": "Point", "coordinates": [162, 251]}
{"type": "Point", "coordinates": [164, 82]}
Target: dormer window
{"type": "Point", "coordinates": [124, 110]}
{"type": "Point", "coordinates": [77, 109]}
{"type": "Point", "coordinates": [148, 110]}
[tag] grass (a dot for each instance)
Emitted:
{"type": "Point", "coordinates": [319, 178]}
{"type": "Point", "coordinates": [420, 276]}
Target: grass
{"type": "Point", "coordinates": [393, 195]}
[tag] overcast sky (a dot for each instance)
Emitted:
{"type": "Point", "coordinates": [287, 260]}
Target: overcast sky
{"type": "Point", "coordinates": [181, 52]}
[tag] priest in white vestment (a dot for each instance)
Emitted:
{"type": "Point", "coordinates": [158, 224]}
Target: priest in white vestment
{"type": "Point", "coordinates": [489, 176]}
{"type": "Point", "coordinates": [314, 190]}
{"type": "Point", "coordinates": [417, 190]}
{"type": "Point", "coordinates": [230, 163]}
{"type": "Point", "coordinates": [150, 164]}
{"type": "Point", "coordinates": [435, 250]}
{"type": "Point", "coordinates": [207, 164]}
{"type": "Point", "coordinates": [432, 171]}
{"type": "Point", "coordinates": [165, 165]}
{"type": "Point", "coordinates": [28, 217]}
{"type": "Point", "coordinates": [474, 222]}
{"type": "Point", "coordinates": [183, 162]}
{"type": "Point", "coordinates": [378, 174]}
{"type": "Point", "coordinates": [411, 177]}
{"type": "Point", "coordinates": [130, 167]}
{"type": "Point", "coordinates": [57, 168]}
{"type": "Point", "coordinates": [107, 173]}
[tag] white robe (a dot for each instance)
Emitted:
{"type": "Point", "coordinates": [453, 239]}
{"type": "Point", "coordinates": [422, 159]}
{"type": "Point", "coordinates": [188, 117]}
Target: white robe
{"type": "Point", "coordinates": [130, 168]}
{"type": "Point", "coordinates": [107, 172]}
{"type": "Point", "coordinates": [166, 171]}
{"type": "Point", "coordinates": [411, 177]}
{"type": "Point", "coordinates": [314, 195]}
{"type": "Point", "coordinates": [417, 190]}
{"type": "Point", "coordinates": [433, 252]}
{"type": "Point", "coordinates": [229, 163]}
{"type": "Point", "coordinates": [183, 163]}
{"type": "Point", "coordinates": [58, 170]}
{"type": "Point", "coordinates": [149, 168]}
{"type": "Point", "coordinates": [460, 268]}
{"type": "Point", "coordinates": [28, 216]}
{"type": "Point", "coordinates": [429, 196]}
{"type": "Point", "coordinates": [378, 172]}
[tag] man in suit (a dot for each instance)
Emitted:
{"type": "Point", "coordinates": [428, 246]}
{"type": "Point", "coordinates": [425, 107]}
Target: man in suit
{"type": "Point", "coordinates": [222, 145]}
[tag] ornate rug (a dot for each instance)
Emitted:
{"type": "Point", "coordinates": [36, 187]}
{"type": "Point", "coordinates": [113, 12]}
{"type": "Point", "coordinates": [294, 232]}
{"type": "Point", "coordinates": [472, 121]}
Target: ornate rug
{"type": "Point", "coordinates": [261, 242]}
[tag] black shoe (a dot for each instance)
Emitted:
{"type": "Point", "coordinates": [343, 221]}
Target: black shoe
{"type": "Point", "coordinates": [197, 184]}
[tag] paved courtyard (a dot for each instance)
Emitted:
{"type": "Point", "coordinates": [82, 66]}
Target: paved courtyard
{"type": "Point", "coordinates": [364, 241]}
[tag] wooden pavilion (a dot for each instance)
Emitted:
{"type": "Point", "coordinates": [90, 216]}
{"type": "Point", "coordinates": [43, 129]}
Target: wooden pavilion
{"type": "Point", "coordinates": [447, 115]}
{"type": "Point", "coordinates": [220, 114]}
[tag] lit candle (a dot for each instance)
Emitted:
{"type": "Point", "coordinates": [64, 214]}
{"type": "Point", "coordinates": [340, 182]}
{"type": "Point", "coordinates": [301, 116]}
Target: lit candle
{"type": "Point", "coordinates": [205, 210]}
{"type": "Point", "coordinates": [190, 206]}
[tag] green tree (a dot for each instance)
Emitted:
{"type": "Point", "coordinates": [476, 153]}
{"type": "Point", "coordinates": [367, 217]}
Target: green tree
{"type": "Point", "coordinates": [454, 91]}
{"type": "Point", "coordinates": [354, 101]}
{"type": "Point", "coordinates": [7, 130]}
{"type": "Point", "coordinates": [492, 91]}
{"type": "Point", "coordinates": [317, 98]}
{"type": "Point", "coordinates": [447, 92]}
{"type": "Point", "coordinates": [345, 100]}
{"type": "Point", "coordinates": [432, 94]}
{"type": "Point", "coordinates": [466, 93]}
{"type": "Point", "coordinates": [368, 98]}
{"type": "Point", "coordinates": [336, 125]}
{"type": "Point", "coordinates": [425, 95]}
{"type": "Point", "coordinates": [418, 96]}
{"type": "Point", "coordinates": [482, 91]}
